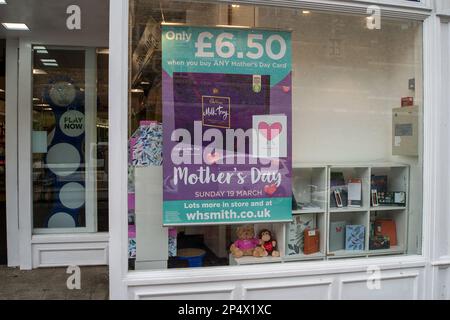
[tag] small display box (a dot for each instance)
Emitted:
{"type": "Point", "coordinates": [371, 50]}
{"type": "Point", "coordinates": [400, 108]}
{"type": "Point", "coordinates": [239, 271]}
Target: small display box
{"type": "Point", "coordinates": [193, 256]}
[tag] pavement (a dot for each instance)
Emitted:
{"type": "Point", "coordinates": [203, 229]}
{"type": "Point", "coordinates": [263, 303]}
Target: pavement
{"type": "Point", "coordinates": [51, 284]}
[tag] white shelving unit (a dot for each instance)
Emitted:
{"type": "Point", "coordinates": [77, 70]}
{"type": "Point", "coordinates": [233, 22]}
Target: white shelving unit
{"type": "Point", "coordinates": [398, 180]}
{"type": "Point", "coordinates": [309, 187]}
{"type": "Point", "coordinates": [311, 184]}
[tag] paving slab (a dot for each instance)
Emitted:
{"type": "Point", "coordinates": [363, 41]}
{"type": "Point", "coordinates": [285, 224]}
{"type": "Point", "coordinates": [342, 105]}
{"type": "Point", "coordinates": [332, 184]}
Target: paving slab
{"type": "Point", "coordinates": [51, 284]}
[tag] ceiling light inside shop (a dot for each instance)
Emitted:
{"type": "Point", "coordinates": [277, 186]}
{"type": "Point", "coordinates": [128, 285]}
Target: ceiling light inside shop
{"type": "Point", "coordinates": [40, 49]}
{"type": "Point", "coordinates": [235, 5]}
{"type": "Point", "coordinates": [2, 90]}
{"type": "Point", "coordinates": [39, 71]}
{"type": "Point", "coordinates": [15, 26]}
{"type": "Point", "coordinates": [306, 12]}
{"type": "Point", "coordinates": [137, 90]}
{"type": "Point", "coordinates": [41, 105]}
{"type": "Point", "coordinates": [102, 51]}
{"type": "Point", "coordinates": [232, 26]}
{"type": "Point", "coordinates": [50, 64]}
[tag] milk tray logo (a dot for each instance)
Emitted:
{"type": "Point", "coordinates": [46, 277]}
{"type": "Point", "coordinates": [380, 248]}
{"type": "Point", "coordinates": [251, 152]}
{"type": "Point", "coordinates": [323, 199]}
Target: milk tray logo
{"type": "Point", "coordinates": [216, 112]}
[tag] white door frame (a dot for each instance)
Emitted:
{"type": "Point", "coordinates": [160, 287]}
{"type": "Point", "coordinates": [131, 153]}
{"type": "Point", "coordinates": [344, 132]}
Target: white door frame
{"type": "Point", "coordinates": [24, 154]}
{"type": "Point", "coordinates": [25, 244]}
{"type": "Point", "coordinates": [11, 90]}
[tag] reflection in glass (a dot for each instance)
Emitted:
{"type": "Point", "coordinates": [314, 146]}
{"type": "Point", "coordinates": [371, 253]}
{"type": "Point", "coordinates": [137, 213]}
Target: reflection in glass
{"type": "Point", "coordinates": [347, 82]}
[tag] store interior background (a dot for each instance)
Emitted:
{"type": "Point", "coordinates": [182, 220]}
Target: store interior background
{"type": "Point", "coordinates": [346, 81]}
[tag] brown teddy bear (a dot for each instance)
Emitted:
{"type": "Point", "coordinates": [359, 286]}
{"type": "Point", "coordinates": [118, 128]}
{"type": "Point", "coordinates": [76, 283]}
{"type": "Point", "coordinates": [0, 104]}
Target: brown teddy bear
{"type": "Point", "coordinates": [268, 244]}
{"type": "Point", "coordinates": [246, 244]}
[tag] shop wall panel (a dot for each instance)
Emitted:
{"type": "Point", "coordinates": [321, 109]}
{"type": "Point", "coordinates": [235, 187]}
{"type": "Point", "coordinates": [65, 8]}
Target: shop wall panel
{"type": "Point", "coordinates": [289, 289]}
{"type": "Point", "coordinates": [209, 291]}
{"type": "Point", "coordinates": [393, 286]}
{"type": "Point", "coordinates": [442, 283]}
{"type": "Point", "coordinates": [397, 285]}
{"type": "Point", "coordinates": [340, 280]}
{"type": "Point", "coordinates": [65, 254]}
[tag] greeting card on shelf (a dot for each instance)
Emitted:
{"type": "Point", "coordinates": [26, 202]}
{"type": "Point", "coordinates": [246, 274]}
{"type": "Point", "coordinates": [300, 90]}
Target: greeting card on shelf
{"type": "Point", "coordinates": [270, 136]}
{"type": "Point", "coordinates": [295, 234]}
{"type": "Point", "coordinates": [354, 193]}
{"type": "Point", "coordinates": [337, 235]}
{"type": "Point", "coordinates": [354, 237]}
{"type": "Point", "coordinates": [386, 227]}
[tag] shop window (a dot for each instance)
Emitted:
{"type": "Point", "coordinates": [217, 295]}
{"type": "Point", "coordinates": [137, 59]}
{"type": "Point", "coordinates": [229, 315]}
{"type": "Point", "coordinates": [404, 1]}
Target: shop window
{"type": "Point", "coordinates": [70, 139]}
{"type": "Point", "coordinates": [344, 130]}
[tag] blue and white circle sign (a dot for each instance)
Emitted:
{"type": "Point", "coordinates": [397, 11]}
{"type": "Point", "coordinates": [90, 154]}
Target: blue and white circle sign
{"type": "Point", "coordinates": [72, 123]}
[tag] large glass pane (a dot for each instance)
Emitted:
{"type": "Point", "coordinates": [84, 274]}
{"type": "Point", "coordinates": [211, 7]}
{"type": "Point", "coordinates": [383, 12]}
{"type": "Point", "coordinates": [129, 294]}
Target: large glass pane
{"type": "Point", "coordinates": [357, 134]}
{"type": "Point", "coordinates": [69, 138]}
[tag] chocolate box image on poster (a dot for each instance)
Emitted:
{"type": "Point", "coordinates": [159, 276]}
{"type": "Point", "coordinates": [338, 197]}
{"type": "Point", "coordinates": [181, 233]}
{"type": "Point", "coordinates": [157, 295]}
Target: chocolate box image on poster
{"type": "Point", "coordinates": [226, 125]}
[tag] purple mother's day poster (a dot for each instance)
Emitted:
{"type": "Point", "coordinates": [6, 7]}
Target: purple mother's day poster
{"type": "Point", "coordinates": [226, 125]}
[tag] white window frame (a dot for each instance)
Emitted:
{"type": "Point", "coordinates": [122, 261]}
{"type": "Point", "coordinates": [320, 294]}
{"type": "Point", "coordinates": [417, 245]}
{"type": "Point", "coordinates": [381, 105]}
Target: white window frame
{"type": "Point", "coordinates": [121, 280]}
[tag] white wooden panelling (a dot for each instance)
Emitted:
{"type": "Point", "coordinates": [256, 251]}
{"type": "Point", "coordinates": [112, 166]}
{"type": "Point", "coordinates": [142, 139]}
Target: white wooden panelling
{"type": "Point", "coordinates": [289, 289]}
{"type": "Point", "coordinates": [12, 205]}
{"type": "Point", "coordinates": [442, 283]}
{"type": "Point", "coordinates": [398, 285]}
{"type": "Point", "coordinates": [442, 7]}
{"type": "Point", "coordinates": [118, 153]}
{"type": "Point", "coordinates": [441, 243]}
{"type": "Point", "coordinates": [394, 284]}
{"type": "Point", "coordinates": [24, 154]}
{"type": "Point", "coordinates": [195, 292]}
{"type": "Point", "coordinates": [66, 254]}
{"type": "Point", "coordinates": [70, 249]}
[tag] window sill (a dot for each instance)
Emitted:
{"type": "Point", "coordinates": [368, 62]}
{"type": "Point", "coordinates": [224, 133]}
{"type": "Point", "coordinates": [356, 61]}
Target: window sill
{"type": "Point", "coordinates": [271, 270]}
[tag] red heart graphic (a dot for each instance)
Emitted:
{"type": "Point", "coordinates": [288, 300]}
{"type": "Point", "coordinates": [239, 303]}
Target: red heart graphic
{"type": "Point", "coordinates": [270, 132]}
{"type": "Point", "coordinates": [270, 189]}
{"type": "Point", "coordinates": [212, 158]}
{"type": "Point", "coordinates": [286, 89]}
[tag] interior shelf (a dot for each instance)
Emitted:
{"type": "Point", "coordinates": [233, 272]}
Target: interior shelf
{"type": "Point", "coordinates": [261, 260]}
{"type": "Point", "coordinates": [348, 209]}
{"type": "Point", "coordinates": [306, 211]}
{"type": "Point", "coordinates": [347, 253]}
{"type": "Point", "coordinates": [387, 208]}
{"type": "Point", "coordinates": [312, 189]}
{"type": "Point", "coordinates": [391, 250]}
{"type": "Point", "coordinates": [301, 256]}
{"type": "Point", "coordinates": [253, 260]}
